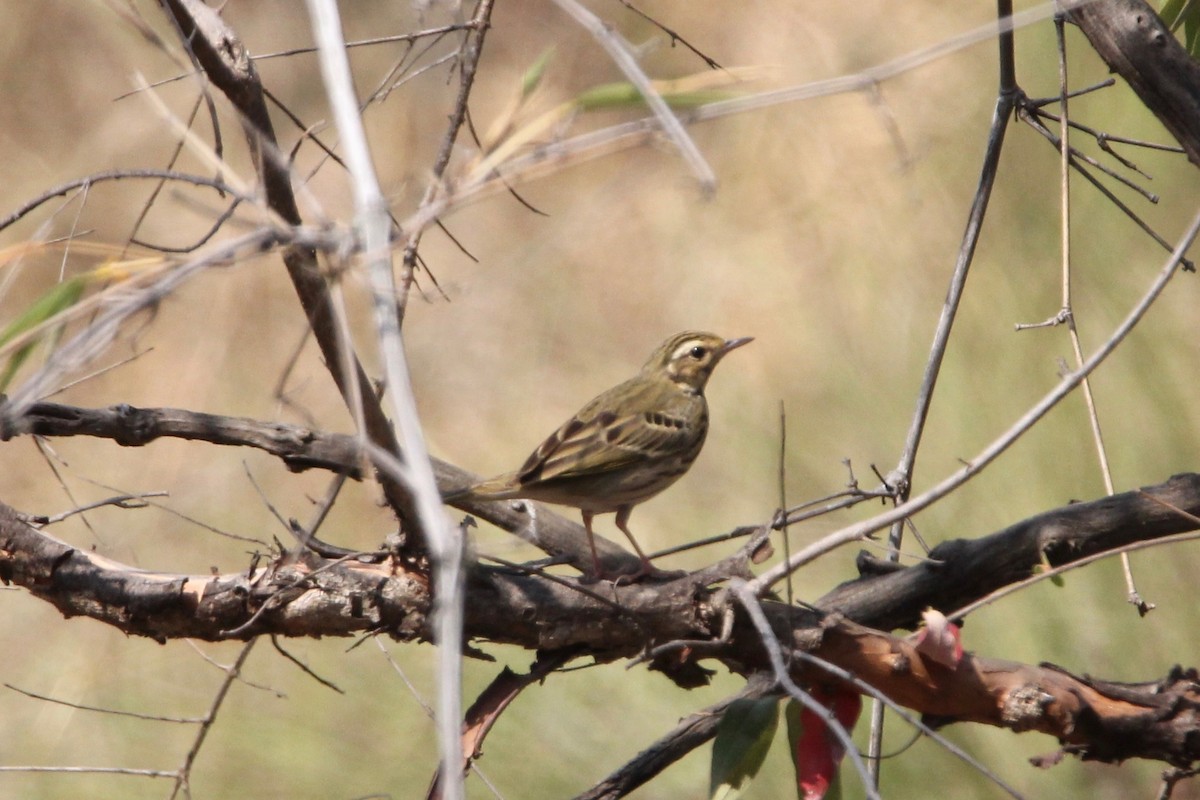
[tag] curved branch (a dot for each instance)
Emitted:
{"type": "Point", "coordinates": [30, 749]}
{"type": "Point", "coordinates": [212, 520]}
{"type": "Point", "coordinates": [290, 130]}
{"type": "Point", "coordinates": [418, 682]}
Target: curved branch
{"type": "Point", "coordinates": [959, 571]}
{"type": "Point", "coordinates": [303, 448]}
{"type": "Point", "coordinates": [308, 596]}
{"type": "Point", "coordinates": [118, 175]}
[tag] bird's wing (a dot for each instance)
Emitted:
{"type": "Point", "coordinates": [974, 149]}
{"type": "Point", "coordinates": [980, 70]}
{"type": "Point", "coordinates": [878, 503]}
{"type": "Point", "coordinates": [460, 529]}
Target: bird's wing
{"type": "Point", "coordinates": [605, 442]}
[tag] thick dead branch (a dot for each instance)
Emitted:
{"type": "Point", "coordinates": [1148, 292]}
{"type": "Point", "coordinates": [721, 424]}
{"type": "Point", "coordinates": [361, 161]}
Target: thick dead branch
{"type": "Point", "coordinates": [308, 596]}
{"type": "Point", "coordinates": [1096, 720]}
{"type": "Point", "coordinates": [1135, 44]}
{"type": "Point", "coordinates": [302, 448]}
{"type": "Point", "coordinates": [960, 571]}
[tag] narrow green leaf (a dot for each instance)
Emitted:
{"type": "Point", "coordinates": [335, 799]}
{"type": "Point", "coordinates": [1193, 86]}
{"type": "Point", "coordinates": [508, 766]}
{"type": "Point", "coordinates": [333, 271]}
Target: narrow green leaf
{"type": "Point", "coordinates": [624, 95]}
{"type": "Point", "coordinates": [533, 76]}
{"type": "Point", "coordinates": [1045, 566]}
{"type": "Point", "coordinates": [743, 738]}
{"type": "Point", "coordinates": [1171, 11]}
{"type": "Point", "coordinates": [61, 297]}
{"type": "Point", "coordinates": [1184, 14]}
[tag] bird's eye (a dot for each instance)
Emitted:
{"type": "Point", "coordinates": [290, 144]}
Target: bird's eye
{"type": "Point", "coordinates": [699, 351]}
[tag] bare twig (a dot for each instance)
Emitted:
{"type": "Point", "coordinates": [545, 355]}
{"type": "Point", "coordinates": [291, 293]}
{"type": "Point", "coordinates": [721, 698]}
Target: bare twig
{"type": "Point", "coordinates": [120, 501]}
{"type": "Point", "coordinates": [993, 450]}
{"type": "Point", "coordinates": [373, 225]}
{"type": "Point", "coordinates": [471, 50]}
{"type": "Point", "coordinates": [1037, 125]}
{"type": "Point", "coordinates": [691, 732]}
{"type": "Point", "coordinates": [901, 478]}
{"type": "Point", "coordinates": [622, 55]}
{"type": "Point", "coordinates": [232, 673]}
{"type": "Point", "coordinates": [113, 711]}
{"type": "Point", "coordinates": [749, 601]}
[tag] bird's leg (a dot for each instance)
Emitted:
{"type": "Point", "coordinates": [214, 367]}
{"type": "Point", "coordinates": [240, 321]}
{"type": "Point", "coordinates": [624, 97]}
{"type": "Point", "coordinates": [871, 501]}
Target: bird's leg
{"type": "Point", "coordinates": [587, 524]}
{"type": "Point", "coordinates": [623, 523]}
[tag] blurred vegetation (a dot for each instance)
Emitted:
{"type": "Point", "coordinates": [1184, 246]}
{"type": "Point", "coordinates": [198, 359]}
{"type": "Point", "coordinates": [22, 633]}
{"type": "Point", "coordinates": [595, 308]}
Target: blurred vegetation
{"type": "Point", "coordinates": [823, 241]}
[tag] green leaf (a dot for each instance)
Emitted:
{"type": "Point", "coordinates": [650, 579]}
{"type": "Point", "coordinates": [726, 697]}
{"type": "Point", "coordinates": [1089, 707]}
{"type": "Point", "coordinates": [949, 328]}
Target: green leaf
{"type": "Point", "coordinates": [1171, 11]}
{"type": "Point", "coordinates": [1184, 14]}
{"type": "Point", "coordinates": [49, 305]}
{"type": "Point", "coordinates": [624, 95]}
{"type": "Point", "coordinates": [1046, 566]}
{"type": "Point", "coordinates": [533, 76]}
{"type": "Point", "coordinates": [743, 738]}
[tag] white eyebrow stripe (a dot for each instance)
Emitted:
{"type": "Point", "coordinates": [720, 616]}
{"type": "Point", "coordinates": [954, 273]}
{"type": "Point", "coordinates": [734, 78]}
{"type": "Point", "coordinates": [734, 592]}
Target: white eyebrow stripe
{"type": "Point", "coordinates": [684, 348]}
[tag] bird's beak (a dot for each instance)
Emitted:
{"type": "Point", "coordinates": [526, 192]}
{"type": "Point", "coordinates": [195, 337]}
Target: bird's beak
{"type": "Point", "coordinates": [733, 344]}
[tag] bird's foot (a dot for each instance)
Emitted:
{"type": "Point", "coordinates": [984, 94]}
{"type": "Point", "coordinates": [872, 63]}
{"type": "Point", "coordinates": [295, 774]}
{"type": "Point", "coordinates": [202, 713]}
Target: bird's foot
{"type": "Point", "coordinates": [646, 571]}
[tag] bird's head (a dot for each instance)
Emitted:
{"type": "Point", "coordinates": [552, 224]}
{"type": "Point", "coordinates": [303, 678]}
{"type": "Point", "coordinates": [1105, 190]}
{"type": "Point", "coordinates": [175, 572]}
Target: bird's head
{"type": "Point", "coordinates": [688, 358]}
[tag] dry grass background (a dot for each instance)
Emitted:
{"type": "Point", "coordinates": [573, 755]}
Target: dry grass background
{"type": "Point", "coordinates": [820, 242]}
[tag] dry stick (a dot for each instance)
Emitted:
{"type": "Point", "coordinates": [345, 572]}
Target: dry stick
{"type": "Point", "coordinates": [328, 684]}
{"type": "Point", "coordinates": [89, 343]}
{"type": "Point", "coordinates": [1065, 173]}
{"type": "Point", "coordinates": [1076, 154]}
{"type": "Point", "coordinates": [49, 456]}
{"type": "Point", "coordinates": [228, 66]}
{"type": "Point", "coordinates": [594, 144]}
{"type": "Point", "coordinates": [444, 540]}
{"type": "Point", "coordinates": [622, 55]}
{"type": "Point", "coordinates": [160, 185]}
{"type": "Point", "coordinates": [749, 601]}
{"type": "Point", "coordinates": [1066, 313]}
{"type": "Point", "coordinates": [69, 238]}
{"type": "Point", "coordinates": [116, 175]}
{"type": "Point", "coordinates": [1003, 591]}
{"type": "Point", "coordinates": [120, 501]}
{"type": "Point", "coordinates": [1037, 125]}
{"type": "Point", "coordinates": [781, 516]}
{"type": "Point", "coordinates": [232, 673]}
{"type": "Point", "coordinates": [691, 732]}
{"type": "Point", "coordinates": [472, 49]}
{"type": "Point", "coordinates": [801, 513]}
{"type": "Point", "coordinates": [428, 709]}
{"type": "Point", "coordinates": [1102, 138]}
{"type": "Point", "coordinates": [399, 37]}
{"type": "Point", "coordinates": [993, 450]}
{"type": "Point", "coordinates": [140, 773]}
{"type": "Point", "coordinates": [100, 710]}
{"type": "Point", "coordinates": [902, 484]}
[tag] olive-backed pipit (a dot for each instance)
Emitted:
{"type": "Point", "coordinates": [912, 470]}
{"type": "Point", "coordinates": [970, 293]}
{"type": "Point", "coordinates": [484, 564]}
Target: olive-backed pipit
{"type": "Point", "coordinates": [626, 445]}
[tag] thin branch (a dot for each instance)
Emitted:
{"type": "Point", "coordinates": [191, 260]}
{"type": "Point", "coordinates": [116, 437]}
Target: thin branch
{"type": "Point", "coordinates": [1001, 443]}
{"type": "Point", "coordinates": [113, 711]}
{"type": "Point", "coordinates": [692, 732]}
{"type": "Point", "coordinates": [445, 542]}
{"type": "Point", "coordinates": [232, 673]}
{"type": "Point", "coordinates": [118, 175]}
{"type": "Point", "coordinates": [121, 501]}
{"type": "Point", "coordinates": [674, 36]}
{"type": "Point", "coordinates": [1035, 123]}
{"type": "Point", "coordinates": [621, 53]}
{"type": "Point", "coordinates": [471, 50]}
{"type": "Point", "coordinates": [749, 601]}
